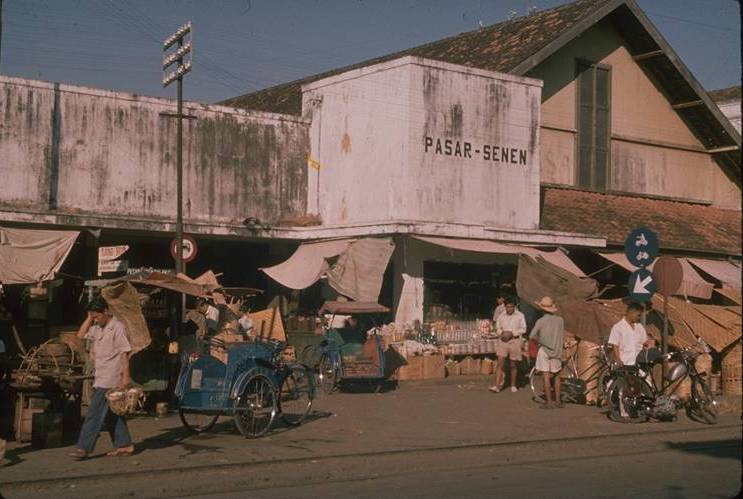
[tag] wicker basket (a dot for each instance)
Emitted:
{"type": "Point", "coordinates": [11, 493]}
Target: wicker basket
{"type": "Point", "coordinates": [732, 378]}
{"type": "Point", "coordinates": [587, 363]}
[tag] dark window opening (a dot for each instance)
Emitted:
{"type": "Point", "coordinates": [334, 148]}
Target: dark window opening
{"type": "Point", "coordinates": [594, 97]}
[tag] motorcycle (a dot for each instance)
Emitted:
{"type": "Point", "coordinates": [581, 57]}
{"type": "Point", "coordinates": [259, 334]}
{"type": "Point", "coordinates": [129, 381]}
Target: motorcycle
{"type": "Point", "coordinates": [633, 395]}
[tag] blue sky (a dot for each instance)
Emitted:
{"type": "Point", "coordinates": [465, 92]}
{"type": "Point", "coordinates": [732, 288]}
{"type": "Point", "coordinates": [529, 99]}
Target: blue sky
{"type": "Point", "coordinates": [245, 45]}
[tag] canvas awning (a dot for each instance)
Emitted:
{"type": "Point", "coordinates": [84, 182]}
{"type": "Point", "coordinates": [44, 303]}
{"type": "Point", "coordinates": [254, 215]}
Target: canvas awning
{"type": "Point", "coordinates": [307, 264]}
{"type": "Point", "coordinates": [359, 271]}
{"type": "Point", "coordinates": [725, 272]}
{"type": "Point", "coordinates": [29, 256]}
{"type": "Point", "coordinates": [556, 257]}
{"type": "Point", "coordinates": [692, 284]}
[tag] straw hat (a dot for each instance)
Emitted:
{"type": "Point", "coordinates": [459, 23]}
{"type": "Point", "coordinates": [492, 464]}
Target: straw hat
{"type": "Point", "coordinates": [547, 304]}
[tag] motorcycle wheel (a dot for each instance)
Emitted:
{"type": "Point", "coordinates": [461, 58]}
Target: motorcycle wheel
{"type": "Point", "coordinates": [620, 391]}
{"type": "Point", "coordinates": [604, 385]}
{"type": "Point", "coordinates": [702, 405]}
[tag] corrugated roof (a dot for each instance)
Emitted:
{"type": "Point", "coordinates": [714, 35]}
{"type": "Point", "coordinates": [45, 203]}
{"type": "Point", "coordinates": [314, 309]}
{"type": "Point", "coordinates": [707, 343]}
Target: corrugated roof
{"type": "Point", "coordinates": [500, 47]}
{"type": "Point", "coordinates": [680, 226]}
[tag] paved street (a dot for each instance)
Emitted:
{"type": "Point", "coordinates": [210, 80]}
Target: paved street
{"type": "Point", "coordinates": [451, 436]}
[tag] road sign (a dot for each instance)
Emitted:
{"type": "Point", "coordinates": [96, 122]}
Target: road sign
{"type": "Point", "coordinates": [189, 249]}
{"type": "Point", "coordinates": [641, 247]}
{"type": "Point", "coordinates": [668, 274]}
{"type": "Point", "coordinates": [641, 285]}
{"type": "Point", "coordinates": [111, 252]}
{"type": "Point", "coordinates": [112, 266]}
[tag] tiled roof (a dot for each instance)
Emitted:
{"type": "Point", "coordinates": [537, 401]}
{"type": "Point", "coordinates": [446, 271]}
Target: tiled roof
{"type": "Point", "coordinates": [725, 94]}
{"type": "Point", "coordinates": [500, 47]}
{"type": "Point", "coordinates": [680, 226]}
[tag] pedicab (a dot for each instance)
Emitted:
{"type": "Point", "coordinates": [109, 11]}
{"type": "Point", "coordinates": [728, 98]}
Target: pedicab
{"type": "Point", "coordinates": [350, 354]}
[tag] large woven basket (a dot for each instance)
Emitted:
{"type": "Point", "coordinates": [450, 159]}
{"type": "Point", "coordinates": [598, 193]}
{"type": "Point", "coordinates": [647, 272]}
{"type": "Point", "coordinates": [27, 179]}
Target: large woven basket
{"type": "Point", "coordinates": [732, 375]}
{"type": "Point", "coordinates": [586, 361]}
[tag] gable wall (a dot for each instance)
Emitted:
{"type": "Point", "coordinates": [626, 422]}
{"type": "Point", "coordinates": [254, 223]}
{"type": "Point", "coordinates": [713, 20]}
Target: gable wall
{"type": "Point", "coordinates": [652, 149]}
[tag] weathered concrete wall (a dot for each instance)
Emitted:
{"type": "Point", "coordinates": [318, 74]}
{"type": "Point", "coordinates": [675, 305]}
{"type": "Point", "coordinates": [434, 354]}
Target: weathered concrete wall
{"type": "Point", "coordinates": [79, 150]}
{"type": "Point", "coordinates": [420, 140]}
{"type": "Point", "coordinates": [652, 151]}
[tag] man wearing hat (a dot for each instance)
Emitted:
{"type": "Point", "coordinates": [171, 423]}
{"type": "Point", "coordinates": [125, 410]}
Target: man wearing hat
{"type": "Point", "coordinates": [549, 332]}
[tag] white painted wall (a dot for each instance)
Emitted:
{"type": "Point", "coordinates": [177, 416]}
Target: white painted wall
{"type": "Point", "coordinates": [380, 137]}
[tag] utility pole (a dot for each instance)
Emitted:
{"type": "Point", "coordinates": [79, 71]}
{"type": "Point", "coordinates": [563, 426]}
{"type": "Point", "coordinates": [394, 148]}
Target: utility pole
{"type": "Point", "coordinates": [177, 57]}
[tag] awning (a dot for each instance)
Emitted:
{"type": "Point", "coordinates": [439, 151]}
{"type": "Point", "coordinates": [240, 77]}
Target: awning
{"type": "Point", "coordinates": [29, 256]}
{"type": "Point", "coordinates": [556, 257]}
{"type": "Point", "coordinates": [307, 264]}
{"type": "Point", "coordinates": [725, 272]}
{"type": "Point", "coordinates": [359, 271]}
{"type": "Point", "coordinates": [692, 284]}
{"type": "Point", "coordinates": [717, 325]}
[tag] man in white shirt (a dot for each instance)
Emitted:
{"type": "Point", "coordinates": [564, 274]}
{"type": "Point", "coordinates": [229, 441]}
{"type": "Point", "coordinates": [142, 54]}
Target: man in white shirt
{"type": "Point", "coordinates": [628, 336]}
{"type": "Point", "coordinates": [510, 328]}
{"type": "Point", "coordinates": [500, 307]}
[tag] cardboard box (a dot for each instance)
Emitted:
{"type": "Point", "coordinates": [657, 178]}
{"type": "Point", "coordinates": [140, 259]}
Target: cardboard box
{"type": "Point", "coordinates": [412, 369]}
{"type": "Point", "coordinates": [434, 367]}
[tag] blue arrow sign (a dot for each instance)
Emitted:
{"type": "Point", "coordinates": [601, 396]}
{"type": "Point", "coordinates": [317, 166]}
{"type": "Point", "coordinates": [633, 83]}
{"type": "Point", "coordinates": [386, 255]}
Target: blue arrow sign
{"type": "Point", "coordinates": [641, 285]}
{"type": "Point", "coordinates": [641, 247]}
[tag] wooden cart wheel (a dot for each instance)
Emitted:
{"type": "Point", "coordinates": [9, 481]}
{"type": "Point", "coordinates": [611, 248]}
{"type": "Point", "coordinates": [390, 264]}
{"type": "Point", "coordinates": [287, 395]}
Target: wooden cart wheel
{"type": "Point", "coordinates": [295, 397]}
{"type": "Point", "coordinates": [197, 423]}
{"type": "Point", "coordinates": [256, 407]}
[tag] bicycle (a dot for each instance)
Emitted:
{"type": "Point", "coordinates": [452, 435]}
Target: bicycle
{"type": "Point", "coordinates": [574, 387]}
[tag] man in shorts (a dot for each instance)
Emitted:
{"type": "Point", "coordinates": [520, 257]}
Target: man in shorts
{"type": "Point", "coordinates": [510, 327]}
{"type": "Point", "coordinates": [549, 332]}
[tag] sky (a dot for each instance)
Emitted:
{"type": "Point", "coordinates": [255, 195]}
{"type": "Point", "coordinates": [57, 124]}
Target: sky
{"type": "Point", "coordinates": [245, 45]}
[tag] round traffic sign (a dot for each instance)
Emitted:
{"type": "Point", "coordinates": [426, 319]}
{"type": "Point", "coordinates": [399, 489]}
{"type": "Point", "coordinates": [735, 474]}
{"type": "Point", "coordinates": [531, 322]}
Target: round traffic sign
{"type": "Point", "coordinates": [641, 285]}
{"type": "Point", "coordinates": [668, 274]}
{"type": "Point", "coordinates": [190, 249]}
{"type": "Point", "coordinates": [641, 247]}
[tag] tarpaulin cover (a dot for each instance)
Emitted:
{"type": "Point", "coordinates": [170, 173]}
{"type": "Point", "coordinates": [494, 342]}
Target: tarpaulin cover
{"type": "Point", "coordinates": [723, 271]}
{"type": "Point", "coordinates": [536, 278]}
{"type": "Point", "coordinates": [359, 271]}
{"type": "Point", "coordinates": [692, 284]}
{"type": "Point", "coordinates": [307, 264]}
{"type": "Point", "coordinates": [556, 257]}
{"type": "Point", "coordinates": [29, 256]}
{"type": "Point", "coordinates": [353, 307]}
{"type": "Point", "coordinates": [123, 301]}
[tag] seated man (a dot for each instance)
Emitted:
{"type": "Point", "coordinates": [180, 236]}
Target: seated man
{"type": "Point", "coordinates": [510, 327]}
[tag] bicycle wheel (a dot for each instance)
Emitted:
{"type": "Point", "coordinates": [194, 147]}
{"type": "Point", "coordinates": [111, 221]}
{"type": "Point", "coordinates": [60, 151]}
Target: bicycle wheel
{"type": "Point", "coordinates": [702, 404]}
{"type": "Point", "coordinates": [536, 381]}
{"type": "Point", "coordinates": [310, 356]}
{"type": "Point", "coordinates": [328, 374]}
{"type": "Point", "coordinates": [197, 423]}
{"type": "Point", "coordinates": [296, 394]}
{"type": "Point", "coordinates": [256, 407]}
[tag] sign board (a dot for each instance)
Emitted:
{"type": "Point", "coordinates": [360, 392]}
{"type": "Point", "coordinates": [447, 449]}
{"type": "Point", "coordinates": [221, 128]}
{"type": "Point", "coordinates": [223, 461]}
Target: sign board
{"type": "Point", "coordinates": [112, 266]}
{"type": "Point", "coordinates": [668, 274]}
{"type": "Point", "coordinates": [641, 247]}
{"type": "Point", "coordinates": [268, 324]}
{"type": "Point", "coordinates": [190, 249]}
{"type": "Point", "coordinates": [106, 253]}
{"type": "Point", "coordinates": [641, 285]}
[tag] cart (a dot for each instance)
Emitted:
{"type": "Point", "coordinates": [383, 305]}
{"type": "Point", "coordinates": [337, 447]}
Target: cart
{"type": "Point", "coordinates": [253, 387]}
{"type": "Point", "coordinates": [350, 354]}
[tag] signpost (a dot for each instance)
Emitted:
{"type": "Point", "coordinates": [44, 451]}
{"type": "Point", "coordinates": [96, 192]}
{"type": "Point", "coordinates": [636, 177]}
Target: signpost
{"type": "Point", "coordinates": [641, 285]}
{"type": "Point", "coordinates": [641, 247]}
{"type": "Point", "coordinates": [189, 249]}
{"type": "Point", "coordinates": [108, 259]}
{"type": "Point", "coordinates": [668, 274]}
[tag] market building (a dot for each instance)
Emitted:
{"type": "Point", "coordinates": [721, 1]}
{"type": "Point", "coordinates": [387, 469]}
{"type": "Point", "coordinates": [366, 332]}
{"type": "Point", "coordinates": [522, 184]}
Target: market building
{"type": "Point", "coordinates": [550, 135]}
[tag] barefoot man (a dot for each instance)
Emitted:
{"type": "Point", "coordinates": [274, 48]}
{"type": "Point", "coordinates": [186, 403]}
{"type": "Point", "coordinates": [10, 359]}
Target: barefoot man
{"type": "Point", "coordinates": [549, 331]}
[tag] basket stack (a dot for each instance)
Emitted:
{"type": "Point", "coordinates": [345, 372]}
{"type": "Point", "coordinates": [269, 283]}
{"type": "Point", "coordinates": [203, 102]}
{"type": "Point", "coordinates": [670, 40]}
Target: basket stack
{"type": "Point", "coordinates": [731, 370]}
{"type": "Point", "coordinates": [588, 366]}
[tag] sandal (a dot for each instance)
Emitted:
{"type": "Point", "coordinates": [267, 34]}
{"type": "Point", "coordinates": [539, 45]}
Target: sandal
{"type": "Point", "coordinates": [78, 454]}
{"type": "Point", "coordinates": [122, 451]}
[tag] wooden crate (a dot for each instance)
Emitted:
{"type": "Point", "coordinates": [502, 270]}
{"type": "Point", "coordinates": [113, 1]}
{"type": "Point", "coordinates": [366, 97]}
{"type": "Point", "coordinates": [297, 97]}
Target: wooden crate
{"type": "Point", "coordinates": [411, 370]}
{"type": "Point", "coordinates": [434, 367]}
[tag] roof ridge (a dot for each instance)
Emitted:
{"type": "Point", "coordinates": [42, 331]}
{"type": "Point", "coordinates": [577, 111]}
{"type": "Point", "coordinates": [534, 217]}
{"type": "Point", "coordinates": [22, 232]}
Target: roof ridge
{"type": "Point", "coordinates": [400, 53]}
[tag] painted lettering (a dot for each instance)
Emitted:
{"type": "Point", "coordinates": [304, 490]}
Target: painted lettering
{"type": "Point", "coordinates": [513, 156]}
{"type": "Point", "coordinates": [458, 150]}
{"type": "Point", "coordinates": [438, 146]}
{"type": "Point", "coordinates": [504, 154]}
{"type": "Point", "coordinates": [467, 152]}
{"type": "Point", "coordinates": [522, 157]}
{"type": "Point", "coordinates": [496, 154]}
{"type": "Point", "coordinates": [447, 147]}
{"type": "Point", "coordinates": [486, 152]}
{"type": "Point", "coordinates": [429, 143]}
